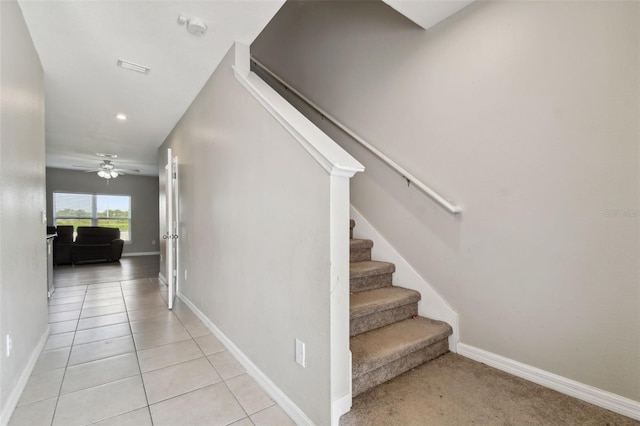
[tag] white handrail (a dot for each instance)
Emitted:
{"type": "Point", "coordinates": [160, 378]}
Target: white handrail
{"type": "Point", "coordinates": [448, 205]}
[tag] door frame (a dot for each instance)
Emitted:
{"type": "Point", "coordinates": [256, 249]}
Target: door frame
{"type": "Point", "coordinates": [171, 236]}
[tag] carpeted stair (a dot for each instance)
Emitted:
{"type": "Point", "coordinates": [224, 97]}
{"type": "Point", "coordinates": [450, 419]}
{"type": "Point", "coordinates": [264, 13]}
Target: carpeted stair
{"type": "Point", "coordinates": [388, 337]}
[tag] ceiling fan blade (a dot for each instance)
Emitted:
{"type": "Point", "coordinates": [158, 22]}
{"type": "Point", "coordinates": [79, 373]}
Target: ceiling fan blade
{"type": "Point", "coordinates": [112, 168]}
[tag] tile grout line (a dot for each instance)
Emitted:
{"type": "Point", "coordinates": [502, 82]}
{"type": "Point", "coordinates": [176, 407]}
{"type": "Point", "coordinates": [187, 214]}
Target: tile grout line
{"type": "Point", "coordinates": [135, 351]}
{"type": "Point", "coordinates": [112, 381]}
{"type": "Point", "coordinates": [205, 356]}
{"type": "Point", "coordinates": [220, 375]}
{"type": "Point", "coordinates": [156, 290]}
{"type": "Point", "coordinates": [82, 363]}
{"type": "Point", "coordinates": [137, 359]}
{"type": "Point", "coordinates": [64, 375]}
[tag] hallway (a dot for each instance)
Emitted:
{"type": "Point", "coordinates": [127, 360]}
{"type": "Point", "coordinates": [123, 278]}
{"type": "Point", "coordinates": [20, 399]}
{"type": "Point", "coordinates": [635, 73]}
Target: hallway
{"type": "Point", "coordinates": [117, 356]}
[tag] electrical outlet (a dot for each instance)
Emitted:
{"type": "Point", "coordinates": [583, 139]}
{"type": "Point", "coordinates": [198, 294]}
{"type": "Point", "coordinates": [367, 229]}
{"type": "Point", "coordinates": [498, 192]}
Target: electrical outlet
{"type": "Point", "coordinates": [301, 357]}
{"type": "Point", "coordinates": [185, 274]}
{"type": "Point", "coordinates": [153, 242]}
{"type": "Point", "coordinates": [9, 345]}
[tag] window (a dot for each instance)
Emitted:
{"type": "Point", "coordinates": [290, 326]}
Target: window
{"type": "Point", "coordinates": [111, 211]}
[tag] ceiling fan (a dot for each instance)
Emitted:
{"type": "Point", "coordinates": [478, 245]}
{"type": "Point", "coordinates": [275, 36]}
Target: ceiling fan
{"type": "Point", "coordinates": [107, 170]}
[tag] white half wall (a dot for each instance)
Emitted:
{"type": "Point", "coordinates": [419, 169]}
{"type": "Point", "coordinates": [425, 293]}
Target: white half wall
{"type": "Point", "coordinates": [264, 209]}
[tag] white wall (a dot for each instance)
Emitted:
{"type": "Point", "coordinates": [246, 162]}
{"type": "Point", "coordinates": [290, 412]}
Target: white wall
{"type": "Point", "coordinates": [144, 202]}
{"type": "Point", "coordinates": [23, 270]}
{"type": "Point", "coordinates": [254, 237]}
{"type": "Point", "coordinates": [527, 114]}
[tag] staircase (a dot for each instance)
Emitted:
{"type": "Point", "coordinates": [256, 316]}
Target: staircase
{"type": "Point", "coordinates": [388, 337]}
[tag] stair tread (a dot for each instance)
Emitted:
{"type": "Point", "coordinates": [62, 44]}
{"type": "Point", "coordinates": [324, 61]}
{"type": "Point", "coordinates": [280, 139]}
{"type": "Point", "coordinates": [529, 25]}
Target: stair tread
{"type": "Point", "coordinates": [356, 244]}
{"type": "Point", "coordinates": [381, 346]}
{"type": "Point", "coordinates": [380, 299]}
{"type": "Point", "coordinates": [370, 267]}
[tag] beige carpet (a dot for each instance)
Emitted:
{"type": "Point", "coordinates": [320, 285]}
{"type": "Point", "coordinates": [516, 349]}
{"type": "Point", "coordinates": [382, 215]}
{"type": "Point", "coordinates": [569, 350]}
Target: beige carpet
{"type": "Point", "coordinates": [454, 390]}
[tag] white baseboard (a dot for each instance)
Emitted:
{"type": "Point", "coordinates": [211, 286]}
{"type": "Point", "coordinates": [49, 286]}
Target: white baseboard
{"type": "Point", "coordinates": [610, 401]}
{"type": "Point", "coordinates": [14, 397]}
{"type": "Point", "coordinates": [141, 253]}
{"type": "Point", "coordinates": [162, 279]}
{"type": "Point", "coordinates": [432, 304]}
{"type": "Point", "coordinates": [296, 414]}
{"type": "Point", "coordinates": [342, 405]}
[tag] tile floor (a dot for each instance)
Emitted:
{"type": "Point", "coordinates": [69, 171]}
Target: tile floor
{"type": "Point", "coordinates": [117, 356]}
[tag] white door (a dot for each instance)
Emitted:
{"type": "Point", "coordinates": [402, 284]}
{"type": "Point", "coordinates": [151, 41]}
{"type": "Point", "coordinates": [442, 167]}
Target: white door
{"type": "Point", "coordinates": [176, 229]}
{"type": "Point", "coordinates": [171, 236]}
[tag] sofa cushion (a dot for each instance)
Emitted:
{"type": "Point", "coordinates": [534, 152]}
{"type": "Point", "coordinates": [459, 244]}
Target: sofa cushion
{"type": "Point", "coordinates": [65, 234]}
{"type": "Point", "coordinates": [96, 235]}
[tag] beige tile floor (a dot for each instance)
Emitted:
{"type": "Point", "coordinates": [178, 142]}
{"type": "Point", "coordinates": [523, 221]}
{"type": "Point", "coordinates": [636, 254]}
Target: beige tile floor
{"type": "Point", "coordinates": [117, 356]}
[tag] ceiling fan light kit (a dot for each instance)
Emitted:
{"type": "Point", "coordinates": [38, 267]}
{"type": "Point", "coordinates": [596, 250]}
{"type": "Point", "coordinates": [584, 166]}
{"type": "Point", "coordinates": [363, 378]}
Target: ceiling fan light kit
{"type": "Point", "coordinates": [107, 170]}
{"type": "Point", "coordinates": [107, 174]}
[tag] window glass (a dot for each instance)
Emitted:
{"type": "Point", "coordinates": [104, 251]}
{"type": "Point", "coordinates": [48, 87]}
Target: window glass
{"type": "Point", "coordinates": [112, 211]}
{"type": "Point", "coordinates": [73, 205]}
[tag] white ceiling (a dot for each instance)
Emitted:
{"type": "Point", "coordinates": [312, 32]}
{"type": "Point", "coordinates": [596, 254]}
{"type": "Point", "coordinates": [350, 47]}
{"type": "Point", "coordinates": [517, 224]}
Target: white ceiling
{"type": "Point", "coordinates": [79, 44]}
{"type": "Point", "coordinates": [80, 41]}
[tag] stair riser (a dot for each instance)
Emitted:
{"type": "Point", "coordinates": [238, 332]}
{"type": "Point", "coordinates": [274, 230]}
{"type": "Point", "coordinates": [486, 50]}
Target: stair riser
{"type": "Point", "coordinates": [380, 319]}
{"type": "Point", "coordinates": [395, 368]}
{"type": "Point", "coordinates": [360, 255]}
{"type": "Point", "coordinates": [370, 282]}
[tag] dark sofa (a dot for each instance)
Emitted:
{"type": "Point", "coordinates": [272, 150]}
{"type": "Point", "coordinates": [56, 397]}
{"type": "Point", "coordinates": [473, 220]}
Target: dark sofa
{"type": "Point", "coordinates": [92, 244]}
{"type": "Point", "coordinates": [62, 245]}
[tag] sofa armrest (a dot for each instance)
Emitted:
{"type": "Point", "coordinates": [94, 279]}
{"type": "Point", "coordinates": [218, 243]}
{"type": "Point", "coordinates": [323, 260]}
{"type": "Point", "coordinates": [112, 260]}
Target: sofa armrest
{"type": "Point", "coordinates": [116, 249]}
{"type": "Point", "coordinates": [62, 253]}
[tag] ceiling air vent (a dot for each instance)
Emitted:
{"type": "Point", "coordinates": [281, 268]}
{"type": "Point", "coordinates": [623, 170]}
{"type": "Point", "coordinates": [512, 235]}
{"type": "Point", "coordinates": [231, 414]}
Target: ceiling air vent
{"type": "Point", "coordinates": [133, 67]}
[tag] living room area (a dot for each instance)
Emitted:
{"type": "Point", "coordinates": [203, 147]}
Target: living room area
{"type": "Point", "coordinates": [101, 220]}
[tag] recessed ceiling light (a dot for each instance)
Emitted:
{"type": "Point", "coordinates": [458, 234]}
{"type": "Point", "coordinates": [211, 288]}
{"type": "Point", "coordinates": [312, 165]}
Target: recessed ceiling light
{"type": "Point", "coordinates": [101, 154]}
{"type": "Point", "coordinates": [121, 116]}
{"type": "Point", "coordinates": [133, 67]}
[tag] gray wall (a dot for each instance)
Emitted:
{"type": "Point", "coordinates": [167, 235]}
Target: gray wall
{"type": "Point", "coordinates": [527, 113]}
{"type": "Point", "coordinates": [253, 237]}
{"type": "Point", "coordinates": [23, 268]}
{"type": "Point", "coordinates": [144, 201]}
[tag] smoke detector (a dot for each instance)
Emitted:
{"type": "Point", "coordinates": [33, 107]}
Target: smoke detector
{"type": "Point", "coordinates": [195, 26]}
